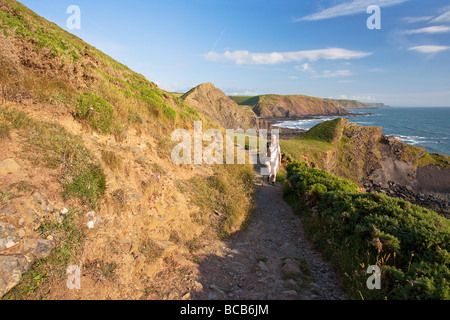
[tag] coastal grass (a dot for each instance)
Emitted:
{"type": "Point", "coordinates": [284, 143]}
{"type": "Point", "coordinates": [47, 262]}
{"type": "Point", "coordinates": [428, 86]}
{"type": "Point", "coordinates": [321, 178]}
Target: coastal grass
{"type": "Point", "coordinates": [312, 151]}
{"type": "Point", "coordinates": [327, 131]}
{"type": "Point", "coordinates": [114, 97]}
{"type": "Point", "coordinates": [246, 100]}
{"type": "Point", "coordinates": [315, 143]}
{"type": "Point", "coordinates": [356, 230]}
{"type": "Point", "coordinates": [434, 159]}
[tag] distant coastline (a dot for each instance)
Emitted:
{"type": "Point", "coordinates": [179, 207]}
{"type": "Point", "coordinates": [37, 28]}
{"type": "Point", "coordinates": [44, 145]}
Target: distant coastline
{"type": "Point", "coordinates": [418, 126]}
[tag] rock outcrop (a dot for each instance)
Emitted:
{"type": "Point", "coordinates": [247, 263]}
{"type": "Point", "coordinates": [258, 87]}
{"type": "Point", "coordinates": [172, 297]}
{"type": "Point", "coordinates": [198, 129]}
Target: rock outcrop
{"type": "Point", "coordinates": [277, 106]}
{"type": "Point", "coordinates": [20, 244]}
{"type": "Point", "coordinates": [218, 107]}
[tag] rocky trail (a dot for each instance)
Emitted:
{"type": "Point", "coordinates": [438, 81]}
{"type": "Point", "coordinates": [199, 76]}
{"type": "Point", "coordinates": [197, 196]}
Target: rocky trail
{"type": "Point", "coordinates": [270, 260]}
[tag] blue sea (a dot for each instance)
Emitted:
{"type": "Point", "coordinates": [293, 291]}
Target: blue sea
{"type": "Point", "coordinates": [426, 127]}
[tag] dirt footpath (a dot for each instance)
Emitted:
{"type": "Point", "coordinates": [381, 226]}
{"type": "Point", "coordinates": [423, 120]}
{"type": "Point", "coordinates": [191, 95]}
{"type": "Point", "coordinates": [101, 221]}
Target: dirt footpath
{"type": "Point", "coordinates": [269, 260]}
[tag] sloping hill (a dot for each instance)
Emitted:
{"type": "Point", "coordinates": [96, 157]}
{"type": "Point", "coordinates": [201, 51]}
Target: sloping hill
{"type": "Point", "coordinates": [270, 106]}
{"type": "Point", "coordinates": [217, 106]}
{"type": "Point", "coordinates": [86, 177]}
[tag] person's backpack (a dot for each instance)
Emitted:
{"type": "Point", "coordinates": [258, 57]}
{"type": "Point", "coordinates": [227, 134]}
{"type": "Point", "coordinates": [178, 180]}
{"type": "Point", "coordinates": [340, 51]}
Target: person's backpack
{"type": "Point", "coordinates": [269, 153]}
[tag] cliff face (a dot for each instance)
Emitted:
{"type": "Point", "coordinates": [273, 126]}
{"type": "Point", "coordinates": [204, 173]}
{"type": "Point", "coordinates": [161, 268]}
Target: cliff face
{"type": "Point", "coordinates": [218, 107]}
{"type": "Point", "coordinates": [269, 106]}
{"type": "Point", "coordinates": [380, 163]}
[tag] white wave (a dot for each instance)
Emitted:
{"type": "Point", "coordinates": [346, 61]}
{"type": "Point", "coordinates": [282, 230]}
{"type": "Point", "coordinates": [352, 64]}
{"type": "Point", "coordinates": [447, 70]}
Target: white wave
{"type": "Point", "coordinates": [411, 139]}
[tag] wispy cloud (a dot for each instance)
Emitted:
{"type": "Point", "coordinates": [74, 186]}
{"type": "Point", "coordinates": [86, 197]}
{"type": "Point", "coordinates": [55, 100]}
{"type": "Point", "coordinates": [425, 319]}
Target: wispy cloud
{"type": "Point", "coordinates": [323, 74]}
{"type": "Point", "coordinates": [430, 30]}
{"type": "Point", "coordinates": [429, 49]}
{"type": "Point", "coordinates": [246, 57]}
{"type": "Point", "coordinates": [348, 8]}
{"type": "Point", "coordinates": [304, 67]}
{"type": "Point", "coordinates": [445, 17]}
{"type": "Point", "coordinates": [219, 39]}
{"type": "Point", "coordinates": [334, 74]}
{"type": "Point", "coordinates": [417, 19]}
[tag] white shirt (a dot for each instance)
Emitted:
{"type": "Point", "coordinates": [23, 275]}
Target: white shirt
{"type": "Point", "coordinates": [275, 151]}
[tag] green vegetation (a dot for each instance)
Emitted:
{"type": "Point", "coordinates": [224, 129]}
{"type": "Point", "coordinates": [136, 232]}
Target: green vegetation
{"type": "Point", "coordinates": [431, 159]}
{"type": "Point", "coordinates": [328, 131]}
{"type": "Point", "coordinates": [308, 150]}
{"type": "Point", "coordinates": [114, 97]}
{"type": "Point", "coordinates": [411, 153]}
{"type": "Point", "coordinates": [314, 144]}
{"type": "Point", "coordinates": [245, 100]}
{"type": "Point", "coordinates": [27, 24]}
{"type": "Point", "coordinates": [356, 230]}
{"type": "Point", "coordinates": [96, 111]}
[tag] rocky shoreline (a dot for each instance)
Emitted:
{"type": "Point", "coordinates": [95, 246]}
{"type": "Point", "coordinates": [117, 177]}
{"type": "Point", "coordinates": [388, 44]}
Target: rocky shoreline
{"type": "Point", "coordinates": [428, 201]}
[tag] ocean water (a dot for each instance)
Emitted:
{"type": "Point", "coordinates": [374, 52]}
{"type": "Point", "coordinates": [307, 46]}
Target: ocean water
{"type": "Point", "coordinates": [426, 127]}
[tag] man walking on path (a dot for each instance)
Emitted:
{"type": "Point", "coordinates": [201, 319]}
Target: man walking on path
{"type": "Point", "coordinates": [273, 156]}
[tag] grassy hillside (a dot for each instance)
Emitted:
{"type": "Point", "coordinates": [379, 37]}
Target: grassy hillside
{"type": "Point", "coordinates": [47, 64]}
{"type": "Point", "coordinates": [317, 145]}
{"type": "Point", "coordinates": [91, 136]}
{"type": "Point", "coordinates": [357, 230]}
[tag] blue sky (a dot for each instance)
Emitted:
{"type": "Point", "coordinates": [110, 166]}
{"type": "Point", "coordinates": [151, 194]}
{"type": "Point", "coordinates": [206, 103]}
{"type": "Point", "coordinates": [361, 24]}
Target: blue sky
{"type": "Point", "coordinates": [319, 48]}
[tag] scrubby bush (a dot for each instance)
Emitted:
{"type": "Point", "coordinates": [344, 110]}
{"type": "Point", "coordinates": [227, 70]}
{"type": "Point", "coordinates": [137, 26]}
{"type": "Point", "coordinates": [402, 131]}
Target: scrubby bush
{"type": "Point", "coordinates": [356, 230]}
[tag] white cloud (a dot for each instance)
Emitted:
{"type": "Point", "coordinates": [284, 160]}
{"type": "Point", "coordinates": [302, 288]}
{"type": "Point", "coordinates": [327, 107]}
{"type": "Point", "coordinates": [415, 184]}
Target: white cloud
{"type": "Point", "coordinates": [348, 8]}
{"type": "Point", "coordinates": [324, 74]}
{"type": "Point", "coordinates": [334, 74]}
{"type": "Point", "coordinates": [430, 30]}
{"type": "Point", "coordinates": [364, 98]}
{"type": "Point", "coordinates": [429, 49]}
{"type": "Point", "coordinates": [246, 57]}
{"type": "Point", "coordinates": [242, 93]}
{"type": "Point", "coordinates": [445, 17]}
{"type": "Point", "coordinates": [304, 67]}
{"type": "Point", "coordinates": [417, 19]}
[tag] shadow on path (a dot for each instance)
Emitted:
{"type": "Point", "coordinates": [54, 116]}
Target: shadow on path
{"type": "Point", "coordinates": [270, 260]}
